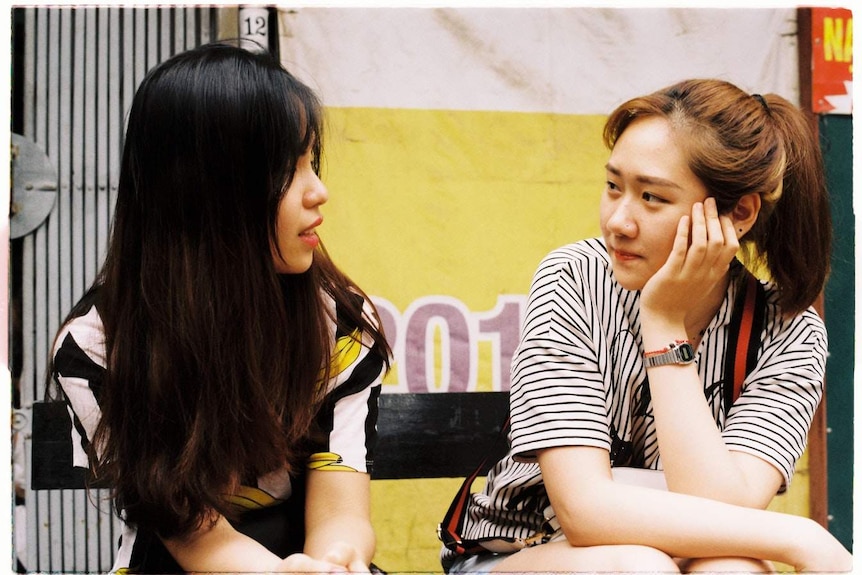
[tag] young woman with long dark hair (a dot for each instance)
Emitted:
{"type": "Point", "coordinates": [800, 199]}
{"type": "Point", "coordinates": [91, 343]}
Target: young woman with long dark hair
{"type": "Point", "coordinates": [222, 373]}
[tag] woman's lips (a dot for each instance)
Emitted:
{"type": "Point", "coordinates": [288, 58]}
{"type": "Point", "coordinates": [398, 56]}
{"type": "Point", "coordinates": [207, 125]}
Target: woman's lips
{"type": "Point", "coordinates": [624, 256]}
{"type": "Point", "coordinates": [309, 236]}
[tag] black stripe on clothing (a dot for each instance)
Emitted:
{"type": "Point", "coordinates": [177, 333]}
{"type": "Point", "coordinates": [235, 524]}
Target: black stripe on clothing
{"type": "Point", "coordinates": [72, 361]}
{"type": "Point", "coordinates": [371, 427]}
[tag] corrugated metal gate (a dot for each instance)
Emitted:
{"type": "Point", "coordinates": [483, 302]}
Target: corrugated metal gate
{"type": "Point", "coordinates": [79, 72]}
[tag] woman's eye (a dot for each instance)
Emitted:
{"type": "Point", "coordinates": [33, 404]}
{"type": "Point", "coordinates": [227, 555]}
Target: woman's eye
{"type": "Point", "coordinates": [648, 197]}
{"type": "Point", "coordinates": [611, 186]}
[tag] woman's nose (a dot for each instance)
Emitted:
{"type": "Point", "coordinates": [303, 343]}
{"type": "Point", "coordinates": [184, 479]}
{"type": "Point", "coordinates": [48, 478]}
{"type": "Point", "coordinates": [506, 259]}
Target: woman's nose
{"type": "Point", "coordinates": [621, 221]}
{"type": "Point", "coordinates": [316, 193]}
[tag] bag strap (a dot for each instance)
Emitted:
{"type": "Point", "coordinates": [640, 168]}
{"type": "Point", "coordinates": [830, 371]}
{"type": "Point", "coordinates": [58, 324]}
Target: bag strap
{"type": "Point", "coordinates": [449, 530]}
{"type": "Point", "coordinates": [741, 356]}
{"type": "Point", "coordinates": [742, 341]}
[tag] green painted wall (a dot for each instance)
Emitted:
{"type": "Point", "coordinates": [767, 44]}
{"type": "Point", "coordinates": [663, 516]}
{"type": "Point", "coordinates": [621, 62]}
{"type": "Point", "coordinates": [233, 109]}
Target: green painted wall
{"type": "Point", "coordinates": [840, 310]}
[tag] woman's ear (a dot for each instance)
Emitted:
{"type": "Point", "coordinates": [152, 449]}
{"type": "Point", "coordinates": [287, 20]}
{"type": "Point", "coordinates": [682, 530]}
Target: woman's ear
{"type": "Point", "coordinates": [744, 214]}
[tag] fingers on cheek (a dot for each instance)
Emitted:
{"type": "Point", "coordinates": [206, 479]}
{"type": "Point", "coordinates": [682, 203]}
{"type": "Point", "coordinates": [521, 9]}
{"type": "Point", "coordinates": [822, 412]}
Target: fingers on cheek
{"type": "Point", "coordinates": [683, 238]}
{"type": "Point", "coordinates": [728, 230]}
{"type": "Point", "coordinates": [684, 227]}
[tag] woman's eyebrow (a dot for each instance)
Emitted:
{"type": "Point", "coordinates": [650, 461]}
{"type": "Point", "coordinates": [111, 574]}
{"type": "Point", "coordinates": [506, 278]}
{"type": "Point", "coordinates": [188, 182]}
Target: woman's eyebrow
{"type": "Point", "coordinates": [644, 179]}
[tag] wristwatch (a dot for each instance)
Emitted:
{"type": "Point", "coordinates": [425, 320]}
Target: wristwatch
{"type": "Point", "coordinates": [679, 352]}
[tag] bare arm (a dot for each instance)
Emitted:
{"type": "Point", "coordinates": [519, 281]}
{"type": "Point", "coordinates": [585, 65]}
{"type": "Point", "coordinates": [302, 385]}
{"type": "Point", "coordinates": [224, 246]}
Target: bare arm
{"type": "Point", "coordinates": [221, 548]}
{"type": "Point", "coordinates": [594, 510]}
{"type": "Point", "coordinates": [695, 458]}
{"type": "Point", "coordinates": [338, 524]}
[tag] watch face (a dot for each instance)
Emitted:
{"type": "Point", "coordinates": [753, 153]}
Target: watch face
{"type": "Point", "coordinates": [686, 352]}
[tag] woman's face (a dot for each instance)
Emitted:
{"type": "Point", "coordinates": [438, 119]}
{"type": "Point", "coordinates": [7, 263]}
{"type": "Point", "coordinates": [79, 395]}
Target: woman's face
{"type": "Point", "coordinates": [649, 188]}
{"type": "Point", "coordinates": [298, 216]}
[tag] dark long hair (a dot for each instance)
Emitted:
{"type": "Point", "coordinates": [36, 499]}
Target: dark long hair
{"type": "Point", "coordinates": [214, 361]}
{"type": "Point", "coordinates": [738, 143]}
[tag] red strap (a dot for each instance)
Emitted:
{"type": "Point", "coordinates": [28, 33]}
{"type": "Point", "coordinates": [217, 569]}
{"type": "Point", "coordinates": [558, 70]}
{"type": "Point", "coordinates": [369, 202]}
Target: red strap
{"type": "Point", "coordinates": [745, 331]}
{"type": "Point", "coordinates": [452, 523]}
{"type": "Point", "coordinates": [449, 530]}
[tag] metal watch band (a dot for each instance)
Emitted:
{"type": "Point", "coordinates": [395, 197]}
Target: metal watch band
{"type": "Point", "coordinates": [677, 353]}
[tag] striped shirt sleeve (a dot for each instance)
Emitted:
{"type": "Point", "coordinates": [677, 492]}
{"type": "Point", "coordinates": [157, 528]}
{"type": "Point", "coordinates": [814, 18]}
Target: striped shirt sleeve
{"type": "Point", "coordinates": [558, 392]}
{"type": "Point", "coordinates": [772, 416]}
{"type": "Point", "coordinates": [348, 417]}
{"type": "Point", "coordinates": [79, 364]}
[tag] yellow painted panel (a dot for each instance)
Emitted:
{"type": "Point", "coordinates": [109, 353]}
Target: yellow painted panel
{"type": "Point", "coordinates": [405, 514]}
{"type": "Point", "coordinates": [457, 203]}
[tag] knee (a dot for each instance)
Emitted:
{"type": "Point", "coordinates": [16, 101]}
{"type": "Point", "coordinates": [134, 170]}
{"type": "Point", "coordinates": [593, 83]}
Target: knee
{"type": "Point", "coordinates": [562, 557]}
{"type": "Point", "coordinates": [639, 558]}
{"type": "Point", "coordinates": [727, 565]}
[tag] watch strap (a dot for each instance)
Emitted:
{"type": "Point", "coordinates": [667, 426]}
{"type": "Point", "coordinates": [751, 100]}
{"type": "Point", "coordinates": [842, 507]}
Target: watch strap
{"type": "Point", "coordinates": [679, 352]}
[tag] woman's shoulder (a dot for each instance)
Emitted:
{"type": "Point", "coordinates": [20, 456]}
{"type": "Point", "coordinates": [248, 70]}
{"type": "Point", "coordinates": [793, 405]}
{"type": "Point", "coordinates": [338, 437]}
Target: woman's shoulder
{"type": "Point", "coordinates": [84, 330]}
{"type": "Point", "coordinates": [806, 324]}
{"type": "Point", "coordinates": [346, 306]}
{"type": "Point", "coordinates": [353, 316]}
{"type": "Point", "coordinates": [356, 360]}
{"type": "Point", "coordinates": [586, 258]}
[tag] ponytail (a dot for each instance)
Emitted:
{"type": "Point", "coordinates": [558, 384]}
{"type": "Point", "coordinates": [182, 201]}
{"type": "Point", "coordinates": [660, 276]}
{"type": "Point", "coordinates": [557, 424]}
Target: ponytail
{"type": "Point", "coordinates": [796, 237]}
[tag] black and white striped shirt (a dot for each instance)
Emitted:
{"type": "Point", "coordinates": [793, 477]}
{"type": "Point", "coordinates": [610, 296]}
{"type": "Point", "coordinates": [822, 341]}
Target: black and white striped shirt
{"type": "Point", "coordinates": [578, 379]}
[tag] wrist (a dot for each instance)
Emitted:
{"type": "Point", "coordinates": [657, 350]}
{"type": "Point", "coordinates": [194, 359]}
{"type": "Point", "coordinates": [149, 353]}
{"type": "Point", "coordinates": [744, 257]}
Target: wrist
{"type": "Point", "coordinates": [677, 352]}
{"type": "Point", "coordinates": [661, 325]}
{"type": "Point", "coordinates": [655, 339]}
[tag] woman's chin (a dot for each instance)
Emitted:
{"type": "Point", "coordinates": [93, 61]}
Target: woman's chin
{"type": "Point", "coordinates": [628, 281]}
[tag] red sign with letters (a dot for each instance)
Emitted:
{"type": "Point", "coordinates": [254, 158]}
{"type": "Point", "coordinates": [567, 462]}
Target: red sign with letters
{"type": "Point", "coordinates": [832, 60]}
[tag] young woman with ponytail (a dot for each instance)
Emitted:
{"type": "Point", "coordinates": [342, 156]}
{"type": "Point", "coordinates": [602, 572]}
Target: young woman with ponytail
{"type": "Point", "coordinates": [627, 451]}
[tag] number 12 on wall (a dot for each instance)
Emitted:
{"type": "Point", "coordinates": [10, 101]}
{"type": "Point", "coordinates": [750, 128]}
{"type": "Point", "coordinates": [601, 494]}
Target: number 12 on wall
{"type": "Point", "coordinates": [254, 25]}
